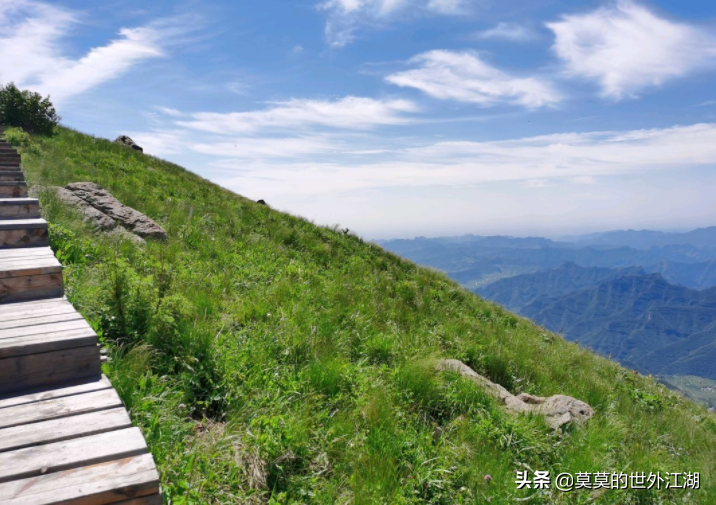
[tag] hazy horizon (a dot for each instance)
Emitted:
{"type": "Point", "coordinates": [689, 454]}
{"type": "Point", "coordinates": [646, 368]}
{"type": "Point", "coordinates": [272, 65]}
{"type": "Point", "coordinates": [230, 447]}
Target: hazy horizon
{"type": "Point", "coordinates": [527, 234]}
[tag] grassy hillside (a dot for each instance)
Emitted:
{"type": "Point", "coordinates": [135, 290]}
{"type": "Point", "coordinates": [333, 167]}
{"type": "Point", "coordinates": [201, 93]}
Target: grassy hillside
{"type": "Point", "coordinates": [697, 388]}
{"type": "Point", "coordinates": [270, 360]}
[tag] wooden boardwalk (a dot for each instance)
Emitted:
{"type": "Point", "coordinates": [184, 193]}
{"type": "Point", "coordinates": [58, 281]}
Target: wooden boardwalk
{"type": "Point", "coordinates": [65, 437]}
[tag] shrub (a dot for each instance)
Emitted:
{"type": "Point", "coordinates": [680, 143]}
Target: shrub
{"type": "Point", "coordinates": [27, 110]}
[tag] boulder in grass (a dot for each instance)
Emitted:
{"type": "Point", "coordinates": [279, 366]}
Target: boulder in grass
{"type": "Point", "coordinates": [127, 141]}
{"type": "Point", "coordinates": [102, 200]}
{"type": "Point", "coordinates": [558, 410]}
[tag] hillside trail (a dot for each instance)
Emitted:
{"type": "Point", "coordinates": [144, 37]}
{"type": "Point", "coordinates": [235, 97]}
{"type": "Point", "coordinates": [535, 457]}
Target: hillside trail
{"type": "Point", "coordinates": [65, 436]}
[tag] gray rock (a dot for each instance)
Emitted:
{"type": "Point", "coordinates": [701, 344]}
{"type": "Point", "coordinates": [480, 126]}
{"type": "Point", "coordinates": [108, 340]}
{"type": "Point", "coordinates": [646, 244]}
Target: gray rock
{"type": "Point", "coordinates": [123, 139]}
{"type": "Point", "coordinates": [101, 200]}
{"type": "Point", "coordinates": [91, 215]}
{"type": "Point", "coordinates": [558, 410]}
{"type": "Point", "coordinates": [124, 234]}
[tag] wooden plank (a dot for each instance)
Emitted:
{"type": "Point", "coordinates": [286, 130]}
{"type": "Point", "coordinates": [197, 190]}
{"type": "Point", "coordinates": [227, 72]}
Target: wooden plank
{"type": "Point", "coordinates": [34, 344]}
{"type": "Point", "coordinates": [12, 191]}
{"type": "Point", "coordinates": [27, 267]}
{"type": "Point", "coordinates": [44, 394]}
{"type": "Point", "coordinates": [49, 368]}
{"type": "Point", "coordinates": [19, 212]}
{"type": "Point", "coordinates": [31, 287]}
{"type": "Point", "coordinates": [24, 238]}
{"type": "Point", "coordinates": [39, 311]}
{"type": "Point", "coordinates": [74, 453]}
{"type": "Point", "coordinates": [65, 428]}
{"type": "Point", "coordinates": [9, 259]}
{"type": "Point", "coordinates": [12, 308]}
{"type": "Point", "coordinates": [59, 407]}
{"type": "Point", "coordinates": [155, 499]}
{"type": "Point", "coordinates": [75, 324]}
{"type": "Point", "coordinates": [41, 320]}
{"type": "Point", "coordinates": [105, 483]}
{"type": "Point", "coordinates": [19, 201]}
{"type": "Point", "coordinates": [33, 252]}
{"type": "Point", "coordinates": [20, 224]}
{"type": "Point", "coordinates": [11, 175]}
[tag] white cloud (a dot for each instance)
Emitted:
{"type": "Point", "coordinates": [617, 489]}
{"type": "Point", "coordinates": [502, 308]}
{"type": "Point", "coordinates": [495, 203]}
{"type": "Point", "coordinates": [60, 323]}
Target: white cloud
{"type": "Point", "coordinates": [319, 163]}
{"type": "Point", "coordinates": [627, 48]}
{"type": "Point", "coordinates": [446, 6]}
{"type": "Point", "coordinates": [346, 16]}
{"type": "Point", "coordinates": [508, 31]}
{"type": "Point", "coordinates": [29, 36]}
{"type": "Point", "coordinates": [464, 77]}
{"type": "Point", "coordinates": [168, 111]}
{"type": "Point", "coordinates": [346, 113]}
{"type": "Point", "coordinates": [572, 158]}
{"type": "Point", "coordinates": [250, 148]}
{"type": "Point", "coordinates": [370, 182]}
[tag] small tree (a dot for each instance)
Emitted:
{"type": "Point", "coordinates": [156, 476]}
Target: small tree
{"type": "Point", "coordinates": [27, 110]}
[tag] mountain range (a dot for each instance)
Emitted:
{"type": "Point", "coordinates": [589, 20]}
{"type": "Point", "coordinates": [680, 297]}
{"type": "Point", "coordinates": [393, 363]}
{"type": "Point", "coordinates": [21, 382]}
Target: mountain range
{"type": "Point", "coordinates": [645, 298]}
{"type": "Point", "coordinates": [638, 318]}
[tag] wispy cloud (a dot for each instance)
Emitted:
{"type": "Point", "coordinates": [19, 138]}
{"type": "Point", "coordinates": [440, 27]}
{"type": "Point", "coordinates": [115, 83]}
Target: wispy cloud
{"type": "Point", "coordinates": [30, 34]}
{"type": "Point", "coordinates": [627, 48]}
{"type": "Point", "coordinates": [324, 163]}
{"type": "Point", "coordinates": [169, 111]}
{"type": "Point", "coordinates": [465, 77]}
{"type": "Point", "coordinates": [353, 113]}
{"type": "Point", "coordinates": [574, 158]}
{"type": "Point", "coordinates": [507, 31]}
{"type": "Point", "coordinates": [270, 147]}
{"type": "Point", "coordinates": [346, 16]}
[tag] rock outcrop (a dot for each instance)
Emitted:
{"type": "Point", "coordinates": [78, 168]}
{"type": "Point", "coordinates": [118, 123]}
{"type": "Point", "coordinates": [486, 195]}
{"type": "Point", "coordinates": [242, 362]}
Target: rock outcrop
{"type": "Point", "coordinates": [558, 410]}
{"type": "Point", "coordinates": [107, 213]}
{"type": "Point", "coordinates": [123, 139]}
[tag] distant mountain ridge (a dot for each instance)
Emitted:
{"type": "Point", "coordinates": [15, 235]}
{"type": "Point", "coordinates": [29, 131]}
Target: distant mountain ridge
{"type": "Point", "coordinates": [517, 292]}
{"type": "Point", "coordinates": [645, 239]}
{"type": "Point", "coordinates": [638, 318]}
{"type": "Point", "coordinates": [475, 261]}
{"type": "Point", "coordinates": [646, 298]}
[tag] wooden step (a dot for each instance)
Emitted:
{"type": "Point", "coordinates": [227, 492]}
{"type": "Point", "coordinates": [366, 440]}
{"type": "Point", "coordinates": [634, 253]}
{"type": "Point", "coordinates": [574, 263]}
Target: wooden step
{"type": "Point", "coordinates": [9, 156]}
{"type": "Point", "coordinates": [117, 481]}
{"type": "Point", "coordinates": [11, 175]}
{"type": "Point", "coordinates": [54, 457]}
{"type": "Point", "coordinates": [48, 369]}
{"type": "Point", "coordinates": [155, 499]}
{"type": "Point", "coordinates": [48, 329]}
{"type": "Point", "coordinates": [64, 428]}
{"type": "Point", "coordinates": [56, 408]}
{"type": "Point", "coordinates": [16, 233]}
{"type": "Point", "coordinates": [19, 208]}
{"type": "Point", "coordinates": [53, 393]}
{"type": "Point", "coordinates": [29, 274]}
{"type": "Point", "coordinates": [13, 189]}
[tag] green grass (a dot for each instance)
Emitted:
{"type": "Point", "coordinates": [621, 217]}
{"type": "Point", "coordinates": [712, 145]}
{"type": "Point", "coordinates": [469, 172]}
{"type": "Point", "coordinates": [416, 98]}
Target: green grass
{"type": "Point", "coordinates": [270, 360]}
{"type": "Point", "coordinates": [696, 388]}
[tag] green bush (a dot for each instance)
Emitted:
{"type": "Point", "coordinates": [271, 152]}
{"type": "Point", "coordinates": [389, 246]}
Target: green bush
{"type": "Point", "coordinates": [27, 110]}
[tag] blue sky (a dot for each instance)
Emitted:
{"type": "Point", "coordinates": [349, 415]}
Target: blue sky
{"type": "Point", "coordinates": [398, 118]}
